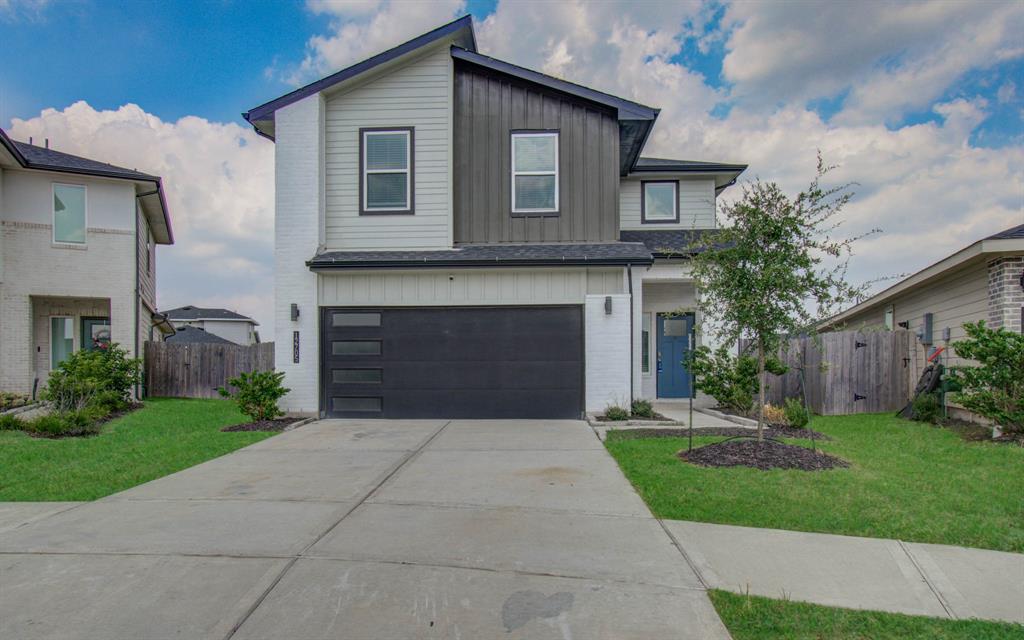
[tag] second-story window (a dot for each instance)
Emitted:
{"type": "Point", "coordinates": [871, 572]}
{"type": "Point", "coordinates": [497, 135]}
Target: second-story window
{"type": "Point", "coordinates": [535, 172]}
{"type": "Point", "coordinates": [660, 201]}
{"type": "Point", "coordinates": [386, 170]}
{"type": "Point", "coordinates": [69, 213]}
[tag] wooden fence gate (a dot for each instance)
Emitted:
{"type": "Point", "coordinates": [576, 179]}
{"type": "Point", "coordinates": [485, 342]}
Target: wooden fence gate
{"type": "Point", "coordinates": [198, 370]}
{"type": "Point", "coordinates": [847, 371]}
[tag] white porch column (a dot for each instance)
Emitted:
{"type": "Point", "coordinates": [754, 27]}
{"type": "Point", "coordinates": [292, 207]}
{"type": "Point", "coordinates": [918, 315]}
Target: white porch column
{"type": "Point", "coordinates": [607, 339]}
{"type": "Point", "coordinates": [638, 311]}
{"type": "Point", "coordinates": [298, 224]}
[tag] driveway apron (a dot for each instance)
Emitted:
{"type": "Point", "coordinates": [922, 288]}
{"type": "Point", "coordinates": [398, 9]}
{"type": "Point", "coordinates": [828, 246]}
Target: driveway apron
{"type": "Point", "coordinates": [363, 529]}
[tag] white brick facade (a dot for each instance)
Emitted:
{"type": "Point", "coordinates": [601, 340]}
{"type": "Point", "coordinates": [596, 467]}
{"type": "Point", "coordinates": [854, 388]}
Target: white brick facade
{"type": "Point", "coordinates": [1005, 293]}
{"type": "Point", "coordinates": [298, 231]}
{"type": "Point", "coordinates": [607, 351]}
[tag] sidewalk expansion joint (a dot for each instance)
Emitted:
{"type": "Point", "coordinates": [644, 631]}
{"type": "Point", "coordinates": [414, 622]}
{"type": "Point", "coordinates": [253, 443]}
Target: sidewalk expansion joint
{"type": "Point", "coordinates": [927, 580]}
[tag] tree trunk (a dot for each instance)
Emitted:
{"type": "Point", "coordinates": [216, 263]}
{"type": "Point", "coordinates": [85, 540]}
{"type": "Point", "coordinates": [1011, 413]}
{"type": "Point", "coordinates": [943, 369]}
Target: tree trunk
{"type": "Point", "coordinates": [760, 389]}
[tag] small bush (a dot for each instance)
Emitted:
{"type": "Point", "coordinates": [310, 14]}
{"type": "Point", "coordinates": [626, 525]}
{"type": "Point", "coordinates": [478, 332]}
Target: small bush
{"type": "Point", "coordinates": [104, 376]}
{"type": "Point", "coordinates": [616, 413]}
{"type": "Point", "coordinates": [995, 387]}
{"type": "Point", "coordinates": [797, 414]}
{"type": "Point", "coordinates": [775, 415]}
{"type": "Point", "coordinates": [12, 400]}
{"type": "Point", "coordinates": [257, 394]}
{"type": "Point", "coordinates": [643, 408]}
{"type": "Point", "coordinates": [927, 408]}
{"type": "Point", "coordinates": [69, 423]}
{"type": "Point", "coordinates": [11, 423]}
{"type": "Point", "coordinates": [729, 380]}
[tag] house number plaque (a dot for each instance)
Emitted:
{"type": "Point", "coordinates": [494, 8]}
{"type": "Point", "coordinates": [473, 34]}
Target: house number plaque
{"type": "Point", "coordinates": [295, 347]}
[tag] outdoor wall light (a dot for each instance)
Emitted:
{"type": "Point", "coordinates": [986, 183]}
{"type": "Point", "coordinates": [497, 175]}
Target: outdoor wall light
{"type": "Point", "coordinates": [608, 305]}
{"type": "Point", "coordinates": [295, 312]}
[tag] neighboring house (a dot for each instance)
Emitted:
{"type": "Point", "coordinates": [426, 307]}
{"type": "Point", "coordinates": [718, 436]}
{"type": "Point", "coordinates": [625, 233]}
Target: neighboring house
{"type": "Point", "coordinates": [227, 324]}
{"type": "Point", "coordinates": [77, 259]}
{"type": "Point", "coordinates": [984, 281]}
{"type": "Point", "coordinates": [457, 236]}
{"type": "Point", "coordinates": [192, 335]}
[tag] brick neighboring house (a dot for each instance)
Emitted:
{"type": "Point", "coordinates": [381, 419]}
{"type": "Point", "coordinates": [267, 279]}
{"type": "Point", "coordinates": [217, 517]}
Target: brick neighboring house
{"type": "Point", "coordinates": [458, 236]}
{"type": "Point", "coordinates": [983, 281]}
{"type": "Point", "coordinates": [77, 259]}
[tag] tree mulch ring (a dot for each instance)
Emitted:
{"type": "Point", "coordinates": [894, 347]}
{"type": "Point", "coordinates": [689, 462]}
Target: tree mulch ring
{"type": "Point", "coordinates": [730, 432]}
{"type": "Point", "coordinates": [278, 424]}
{"type": "Point", "coordinates": [653, 417]}
{"type": "Point", "coordinates": [764, 455]}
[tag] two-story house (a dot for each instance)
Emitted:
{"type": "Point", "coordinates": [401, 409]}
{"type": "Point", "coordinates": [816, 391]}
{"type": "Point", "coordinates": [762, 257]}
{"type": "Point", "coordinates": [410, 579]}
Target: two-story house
{"type": "Point", "coordinates": [224, 323]}
{"type": "Point", "coordinates": [457, 236]}
{"type": "Point", "coordinates": [77, 259]}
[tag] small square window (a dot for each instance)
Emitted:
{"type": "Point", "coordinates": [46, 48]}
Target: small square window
{"type": "Point", "coordinates": [69, 213]}
{"type": "Point", "coordinates": [660, 201]}
{"type": "Point", "coordinates": [675, 327]}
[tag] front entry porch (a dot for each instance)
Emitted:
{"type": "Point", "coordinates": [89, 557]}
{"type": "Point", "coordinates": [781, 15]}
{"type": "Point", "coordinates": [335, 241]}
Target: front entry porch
{"type": "Point", "coordinates": [668, 330]}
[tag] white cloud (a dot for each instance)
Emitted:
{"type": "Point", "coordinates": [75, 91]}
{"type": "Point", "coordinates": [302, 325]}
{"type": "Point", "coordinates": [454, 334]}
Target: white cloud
{"type": "Point", "coordinates": [220, 189]}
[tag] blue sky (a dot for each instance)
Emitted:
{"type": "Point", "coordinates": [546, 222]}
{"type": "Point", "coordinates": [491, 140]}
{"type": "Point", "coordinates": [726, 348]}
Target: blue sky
{"type": "Point", "coordinates": [926, 118]}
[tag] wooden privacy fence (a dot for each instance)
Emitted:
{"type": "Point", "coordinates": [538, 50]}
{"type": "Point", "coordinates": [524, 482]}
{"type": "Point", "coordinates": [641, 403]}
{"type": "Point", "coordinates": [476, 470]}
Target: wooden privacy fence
{"type": "Point", "coordinates": [197, 370]}
{"type": "Point", "coordinates": [847, 371]}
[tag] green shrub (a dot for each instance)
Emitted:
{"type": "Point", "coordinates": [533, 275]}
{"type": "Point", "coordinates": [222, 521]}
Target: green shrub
{"type": "Point", "coordinates": [994, 388]}
{"type": "Point", "coordinates": [257, 394]}
{"type": "Point", "coordinates": [614, 412]}
{"type": "Point", "coordinates": [797, 414]}
{"type": "Point", "coordinates": [927, 408]}
{"type": "Point", "coordinates": [9, 422]}
{"type": "Point", "coordinates": [643, 408]}
{"type": "Point", "coordinates": [12, 400]}
{"type": "Point", "coordinates": [729, 380]}
{"type": "Point", "coordinates": [69, 423]}
{"type": "Point", "coordinates": [88, 376]}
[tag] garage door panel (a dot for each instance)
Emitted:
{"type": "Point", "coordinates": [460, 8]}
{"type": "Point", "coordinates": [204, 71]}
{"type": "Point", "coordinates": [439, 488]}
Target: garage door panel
{"type": "Point", "coordinates": [501, 362]}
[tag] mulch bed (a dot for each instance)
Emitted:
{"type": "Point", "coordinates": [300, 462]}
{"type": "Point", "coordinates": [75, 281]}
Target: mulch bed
{"type": "Point", "coordinates": [765, 455]}
{"type": "Point", "coordinates": [769, 432]}
{"type": "Point", "coordinates": [656, 417]}
{"type": "Point", "coordinates": [280, 424]}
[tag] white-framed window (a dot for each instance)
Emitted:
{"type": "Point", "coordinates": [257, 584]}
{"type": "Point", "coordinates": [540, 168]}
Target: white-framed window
{"type": "Point", "coordinates": [660, 201]}
{"type": "Point", "coordinates": [62, 339]}
{"type": "Point", "coordinates": [890, 317]}
{"type": "Point", "coordinates": [645, 347]}
{"type": "Point", "coordinates": [69, 213]}
{"type": "Point", "coordinates": [386, 168]}
{"type": "Point", "coordinates": [535, 172]}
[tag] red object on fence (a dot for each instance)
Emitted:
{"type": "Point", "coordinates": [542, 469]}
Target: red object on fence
{"type": "Point", "coordinates": [936, 354]}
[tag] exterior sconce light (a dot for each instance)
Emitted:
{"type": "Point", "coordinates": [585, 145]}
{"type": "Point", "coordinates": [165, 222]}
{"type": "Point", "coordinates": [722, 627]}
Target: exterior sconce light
{"type": "Point", "coordinates": [295, 312]}
{"type": "Point", "coordinates": [608, 305]}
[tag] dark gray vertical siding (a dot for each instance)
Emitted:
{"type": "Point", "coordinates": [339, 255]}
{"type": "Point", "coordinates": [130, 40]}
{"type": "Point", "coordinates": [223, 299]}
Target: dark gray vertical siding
{"type": "Point", "coordinates": [487, 109]}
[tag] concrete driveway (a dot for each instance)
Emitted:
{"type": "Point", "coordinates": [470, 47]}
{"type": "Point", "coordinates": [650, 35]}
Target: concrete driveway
{"type": "Point", "coordinates": [363, 529]}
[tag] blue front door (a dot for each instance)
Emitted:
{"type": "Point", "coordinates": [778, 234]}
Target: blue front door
{"type": "Point", "coordinates": [674, 333]}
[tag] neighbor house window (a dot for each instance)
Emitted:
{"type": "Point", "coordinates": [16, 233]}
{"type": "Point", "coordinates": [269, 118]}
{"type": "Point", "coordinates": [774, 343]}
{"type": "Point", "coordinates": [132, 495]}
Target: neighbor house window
{"type": "Point", "coordinates": [890, 318]}
{"type": "Point", "coordinates": [660, 201]}
{"type": "Point", "coordinates": [535, 172]}
{"type": "Point", "coordinates": [69, 213]}
{"type": "Point", "coordinates": [645, 348]}
{"type": "Point", "coordinates": [386, 170]}
{"type": "Point", "coordinates": [62, 340]}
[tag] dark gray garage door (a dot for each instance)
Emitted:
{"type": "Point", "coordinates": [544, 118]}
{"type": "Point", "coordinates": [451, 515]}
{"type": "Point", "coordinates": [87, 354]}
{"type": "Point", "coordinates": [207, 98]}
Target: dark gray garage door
{"type": "Point", "coordinates": [465, 362]}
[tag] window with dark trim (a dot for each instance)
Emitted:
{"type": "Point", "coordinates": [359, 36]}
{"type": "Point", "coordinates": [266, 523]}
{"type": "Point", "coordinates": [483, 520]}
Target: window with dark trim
{"type": "Point", "coordinates": [386, 170]}
{"type": "Point", "coordinates": [535, 172]}
{"type": "Point", "coordinates": [659, 201]}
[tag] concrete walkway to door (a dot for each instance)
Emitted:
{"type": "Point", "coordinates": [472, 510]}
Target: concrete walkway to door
{"type": "Point", "coordinates": [373, 529]}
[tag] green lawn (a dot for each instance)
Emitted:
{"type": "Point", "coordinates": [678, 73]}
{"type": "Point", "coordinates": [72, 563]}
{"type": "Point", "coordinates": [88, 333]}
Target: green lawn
{"type": "Point", "coordinates": [165, 436]}
{"type": "Point", "coordinates": [907, 480]}
{"type": "Point", "coordinates": [754, 618]}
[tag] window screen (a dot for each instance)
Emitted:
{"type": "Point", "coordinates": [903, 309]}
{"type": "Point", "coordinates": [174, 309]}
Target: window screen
{"type": "Point", "coordinates": [69, 213]}
{"type": "Point", "coordinates": [534, 172]}
{"type": "Point", "coordinates": [387, 160]}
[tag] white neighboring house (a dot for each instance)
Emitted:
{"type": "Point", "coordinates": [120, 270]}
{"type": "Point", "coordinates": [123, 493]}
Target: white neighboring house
{"type": "Point", "coordinates": [224, 323]}
{"type": "Point", "coordinates": [77, 259]}
{"type": "Point", "coordinates": [457, 236]}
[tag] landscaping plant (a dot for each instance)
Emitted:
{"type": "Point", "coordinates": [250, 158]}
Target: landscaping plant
{"type": "Point", "coordinates": [994, 387]}
{"type": "Point", "coordinates": [643, 408]}
{"type": "Point", "coordinates": [614, 412]}
{"type": "Point", "coordinates": [797, 414]}
{"type": "Point", "coordinates": [927, 407]}
{"type": "Point", "coordinates": [257, 394]}
{"type": "Point", "coordinates": [12, 400]}
{"type": "Point", "coordinates": [102, 377]}
{"type": "Point", "coordinates": [9, 422]}
{"type": "Point", "coordinates": [730, 380]}
{"type": "Point", "coordinates": [773, 258]}
{"type": "Point", "coordinates": [775, 415]}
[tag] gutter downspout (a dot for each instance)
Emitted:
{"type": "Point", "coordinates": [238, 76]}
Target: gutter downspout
{"type": "Point", "coordinates": [632, 341]}
{"type": "Point", "coordinates": [138, 297]}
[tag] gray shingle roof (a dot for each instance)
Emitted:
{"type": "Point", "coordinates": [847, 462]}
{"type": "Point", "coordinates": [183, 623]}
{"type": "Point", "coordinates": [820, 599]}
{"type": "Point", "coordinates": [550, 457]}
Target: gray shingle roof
{"type": "Point", "coordinates": [1013, 233]}
{"type": "Point", "coordinates": [193, 335]}
{"type": "Point", "coordinates": [491, 255]}
{"type": "Point", "coordinates": [43, 158]}
{"type": "Point", "coordinates": [666, 242]}
{"type": "Point", "coordinates": [189, 312]}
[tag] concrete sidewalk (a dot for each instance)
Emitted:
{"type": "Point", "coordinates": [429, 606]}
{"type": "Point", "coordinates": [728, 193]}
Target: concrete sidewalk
{"type": "Point", "coordinates": [857, 573]}
{"type": "Point", "coordinates": [372, 529]}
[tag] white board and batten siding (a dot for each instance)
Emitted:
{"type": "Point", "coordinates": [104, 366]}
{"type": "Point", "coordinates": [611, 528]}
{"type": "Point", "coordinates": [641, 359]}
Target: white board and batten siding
{"type": "Point", "coordinates": [418, 95]}
{"type": "Point", "coordinates": [440, 287]}
{"type": "Point", "coordinates": [696, 204]}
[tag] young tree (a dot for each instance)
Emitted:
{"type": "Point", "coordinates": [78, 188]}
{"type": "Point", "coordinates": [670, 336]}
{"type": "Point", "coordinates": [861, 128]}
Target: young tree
{"type": "Point", "coordinates": [774, 268]}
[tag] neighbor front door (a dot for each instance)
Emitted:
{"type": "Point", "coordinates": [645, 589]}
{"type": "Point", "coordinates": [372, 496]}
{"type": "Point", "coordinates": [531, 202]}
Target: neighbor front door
{"type": "Point", "coordinates": [674, 333]}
